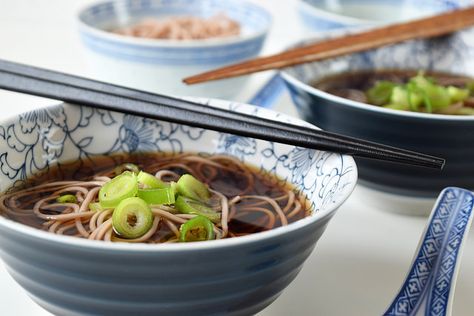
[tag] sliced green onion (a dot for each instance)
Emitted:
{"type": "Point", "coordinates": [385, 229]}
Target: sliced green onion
{"type": "Point", "coordinates": [174, 187]}
{"type": "Point", "coordinates": [67, 198]}
{"type": "Point", "coordinates": [199, 228]}
{"type": "Point", "coordinates": [470, 87]}
{"type": "Point", "coordinates": [415, 96]}
{"type": "Point", "coordinates": [421, 81]}
{"type": "Point", "coordinates": [399, 99]}
{"type": "Point", "coordinates": [380, 93]}
{"type": "Point", "coordinates": [396, 107]}
{"type": "Point", "coordinates": [457, 94]}
{"type": "Point", "coordinates": [465, 111]}
{"type": "Point", "coordinates": [438, 97]}
{"type": "Point", "coordinates": [132, 218]}
{"type": "Point", "coordinates": [157, 196]}
{"type": "Point", "coordinates": [126, 167]}
{"type": "Point", "coordinates": [428, 106]}
{"type": "Point", "coordinates": [118, 189]}
{"type": "Point", "coordinates": [189, 206]}
{"type": "Point", "coordinates": [150, 181]}
{"type": "Point", "coordinates": [96, 207]}
{"type": "Point", "coordinates": [422, 94]}
{"type": "Point", "coordinates": [192, 188]}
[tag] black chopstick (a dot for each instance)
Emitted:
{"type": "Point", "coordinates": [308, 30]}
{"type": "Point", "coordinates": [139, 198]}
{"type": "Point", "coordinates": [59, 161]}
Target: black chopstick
{"type": "Point", "coordinates": [51, 84]}
{"type": "Point", "coordinates": [98, 86]}
{"type": "Point", "coordinates": [71, 80]}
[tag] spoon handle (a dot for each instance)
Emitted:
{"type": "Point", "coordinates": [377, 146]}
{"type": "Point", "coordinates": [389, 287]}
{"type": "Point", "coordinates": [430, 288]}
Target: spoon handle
{"type": "Point", "coordinates": [269, 93]}
{"type": "Point", "coordinates": [429, 286]}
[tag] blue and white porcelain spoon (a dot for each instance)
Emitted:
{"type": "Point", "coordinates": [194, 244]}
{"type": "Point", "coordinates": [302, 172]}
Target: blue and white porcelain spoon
{"type": "Point", "coordinates": [429, 286]}
{"type": "Point", "coordinates": [269, 93]}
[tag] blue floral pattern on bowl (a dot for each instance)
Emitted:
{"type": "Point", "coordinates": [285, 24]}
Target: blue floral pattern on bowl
{"type": "Point", "coordinates": [34, 141]}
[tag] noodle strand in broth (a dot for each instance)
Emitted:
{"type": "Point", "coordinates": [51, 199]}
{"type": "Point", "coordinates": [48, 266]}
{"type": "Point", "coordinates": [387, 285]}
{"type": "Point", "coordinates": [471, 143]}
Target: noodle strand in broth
{"type": "Point", "coordinates": [243, 200]}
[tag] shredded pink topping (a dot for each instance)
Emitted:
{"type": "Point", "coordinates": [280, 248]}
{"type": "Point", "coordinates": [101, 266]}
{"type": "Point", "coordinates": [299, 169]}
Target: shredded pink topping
{"type": "Point", "coordinates": [183, 28]}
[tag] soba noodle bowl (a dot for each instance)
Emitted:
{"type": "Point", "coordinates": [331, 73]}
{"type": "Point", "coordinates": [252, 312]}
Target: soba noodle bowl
{"type": "Point", "coordinates": [154, 198]}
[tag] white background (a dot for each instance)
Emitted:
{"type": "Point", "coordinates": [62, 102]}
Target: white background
{"type": "Point", "coordinates": [358, 264]}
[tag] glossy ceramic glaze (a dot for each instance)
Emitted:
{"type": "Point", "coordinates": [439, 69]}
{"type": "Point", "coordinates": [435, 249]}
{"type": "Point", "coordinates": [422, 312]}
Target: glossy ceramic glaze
{"type": "Point", "coordinates": [431, 280]}
{"type": "Point", "coordinates": [450, 137]}
{"type": "Point", "coordinates": [323, 15]}
{"type": "Point", "coordinates": [240, 276]}
{"type": "Point", "coordinates": [160, 65]}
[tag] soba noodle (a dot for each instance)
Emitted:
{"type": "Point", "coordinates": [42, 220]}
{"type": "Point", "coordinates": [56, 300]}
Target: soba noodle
{"type": "Point", "coordinates": [245, 200]}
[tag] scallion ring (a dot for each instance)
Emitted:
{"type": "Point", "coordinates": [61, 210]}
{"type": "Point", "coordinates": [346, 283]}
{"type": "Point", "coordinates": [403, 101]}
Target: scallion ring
{"type": "Point", "coordinates": [150, 181]}
{"type": "Point", "coordinates": [67, 198]}
{"type": "Point", "coordinates": [126, 167]}
{"type": "Point", "coordinates": [118, 189]}
{"type": "Point", "coordinates": [189, 206]}
{"type": "Point", "coordinates": [192, 188]}
{"type": "Point", "coordinates": [132, 218]}
{"type": "Point", "coordinates": [157, 196]}
{"type": "Point", "coordinates": [199, 228]}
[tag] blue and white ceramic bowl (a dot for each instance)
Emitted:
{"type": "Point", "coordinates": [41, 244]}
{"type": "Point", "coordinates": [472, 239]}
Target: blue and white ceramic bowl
{"type": "Point", "coordinates": [160, 65]}
{"type": "Point", "coordinates": [239, 276]}
{"type": "Point", "coordinates": [447, 136]}
{"type": "Point", "coordinates": [323, 15]}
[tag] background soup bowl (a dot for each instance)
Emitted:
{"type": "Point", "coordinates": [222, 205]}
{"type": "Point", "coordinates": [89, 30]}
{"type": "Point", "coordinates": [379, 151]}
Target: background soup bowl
{"type": "Point", "coordinates": [447, 136]}
{"type": "Point", "coordinates": [323, 15]}
{"type": "Point", "coordinates": [160, 65]}
{"type": "Point", "coordinates": [240, 276]}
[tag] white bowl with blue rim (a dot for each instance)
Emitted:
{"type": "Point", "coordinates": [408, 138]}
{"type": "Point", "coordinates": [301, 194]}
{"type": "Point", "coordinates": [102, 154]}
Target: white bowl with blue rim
{"type": "Point", "coordinates": [238, 276]}
{"type": "Point", "coordinates": [324, 15]}
{"type": "Point", "coordinates": [159, 65]}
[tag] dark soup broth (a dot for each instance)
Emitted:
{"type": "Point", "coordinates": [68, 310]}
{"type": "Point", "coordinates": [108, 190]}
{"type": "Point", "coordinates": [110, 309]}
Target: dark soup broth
{"type": "Point", "coordinates": [409, 90]}
{"type": "Point", "coordinates": [154, 198]}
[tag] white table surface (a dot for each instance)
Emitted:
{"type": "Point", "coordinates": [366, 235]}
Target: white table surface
{"type": "Point", "coordinates": [360, 261]}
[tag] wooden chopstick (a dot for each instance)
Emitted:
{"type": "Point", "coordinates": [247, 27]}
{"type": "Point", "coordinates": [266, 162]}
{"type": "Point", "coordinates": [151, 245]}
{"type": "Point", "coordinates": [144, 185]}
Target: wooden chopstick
{"type": "Point", "coordinates": [51, 84]}
{"type": "Point", "coordinates": [423, 28]}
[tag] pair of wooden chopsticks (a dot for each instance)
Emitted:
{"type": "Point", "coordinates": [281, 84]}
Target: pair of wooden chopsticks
{"type": "Point", "coordinates": [73, 89]}
{"type": "Point", "coordinates": [423, 28]}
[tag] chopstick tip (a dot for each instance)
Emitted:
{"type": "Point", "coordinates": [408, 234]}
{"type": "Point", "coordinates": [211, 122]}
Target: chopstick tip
{"type": "Point", "coordinates": [442, 163]}
{"type": "Point", "coordinates": [188, 80]}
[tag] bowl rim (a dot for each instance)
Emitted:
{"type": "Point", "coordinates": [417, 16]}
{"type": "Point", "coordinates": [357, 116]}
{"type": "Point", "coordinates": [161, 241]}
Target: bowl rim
{"type": "Point", "coordinates": [164, 43]}
{"type": "Point", "coordinates": [346, 19]}
{"type": "Point", "coordinates": [292, 80]}
{"type": "Point", "coordinates": [86, 244]}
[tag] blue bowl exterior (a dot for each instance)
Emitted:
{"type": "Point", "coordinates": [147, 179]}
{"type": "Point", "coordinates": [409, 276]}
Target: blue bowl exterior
{"type": "Point", "coordinates": [238, 276]}
{"type": "Point", "coordinates": [253, 20]}
{"type": "Point", "coordinates": [439, 135]}
{"type": "Point", "coordinates": [236, 280]}
{"type": "Point", "coordinates": [451, 140]}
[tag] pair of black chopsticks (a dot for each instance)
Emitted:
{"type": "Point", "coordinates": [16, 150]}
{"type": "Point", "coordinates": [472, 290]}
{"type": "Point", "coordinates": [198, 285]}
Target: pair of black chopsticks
{"type": "Point", "coordinates": [73, 89]}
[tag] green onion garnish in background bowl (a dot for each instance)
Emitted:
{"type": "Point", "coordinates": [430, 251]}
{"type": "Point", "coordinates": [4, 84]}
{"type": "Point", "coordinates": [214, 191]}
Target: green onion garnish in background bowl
{"type": "Point", "coordinates": [422, 94]}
